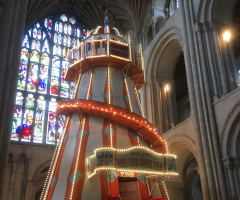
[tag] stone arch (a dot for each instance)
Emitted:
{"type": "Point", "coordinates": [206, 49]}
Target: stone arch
{"type": "Point", "coordinates": [40, 169]}
{"type": "Point", "coordinates": [39, 178]}
{"type": "Point", "coordinates": [182, 140]}
{"type": "Point", "coordinates": [161, 41]}
{"type": "Point", "coordinates": [216, 10]}
{"type": "Point", "coordinates": [184, 148]}
{"type": "Point", "coordinates": [231, 133]}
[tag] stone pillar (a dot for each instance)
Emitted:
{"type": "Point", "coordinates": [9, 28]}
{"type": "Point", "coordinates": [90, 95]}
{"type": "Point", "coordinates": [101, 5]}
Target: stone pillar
{"type": "Point", "coordinates": [164, 107]}
{"type": "Point", "coordinates": [145, 37]}
{"type": "Point", "coordinates": [1, 7]}
{"type": "Point", "coordinates": [175, 190]}
{"type": "Point", "coordinates": [157, 108]}
{"type": "Point", "coordinates": [213, 143]}
{"type": "Point", "coordinates": [222, 73]}
{"type": "Point", "coordinates": [10, 85]}
{"type": "Point", "coordinates": [211, 62]}
{"type": "Point", "coordinates": [30, 189]}
{"type": "Point", "coordinates": [154, 32]}
{"type": "Point", "coordinates": [24, 186]}
{"type": "Point", "coordinates": [189, 62]}
{"type": "Point", "coordinates": [173, 103]}
{"type": "Point", "coordinates": [229, 163]}
{"type": "Point", "coordinates": [233, 64]}
{"type": "Point", "coordinates": [6, 20]}
{"type": "Point", "coordinates": [12, 178]}
{"type": "Point", "coordinates": [237, 174]}
{"type": "Point", "coordinates": [227, 65]}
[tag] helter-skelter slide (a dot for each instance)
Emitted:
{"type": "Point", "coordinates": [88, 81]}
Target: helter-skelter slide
{"type": "Point", "coordinates": [108, 150]}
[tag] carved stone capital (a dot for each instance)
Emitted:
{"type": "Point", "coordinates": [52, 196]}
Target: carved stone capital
{"type": "Point", "coordinates": [181, 42]}
{"type": "Point", "coordinates": [14, 159]}
{"type": "Point", "coordinates": [198, 27]}
{"type": "Point", "coordinates": [206, 26]}
{"type": "Point", "coordinates": [213, 26]}
{"type": "Point", "coordinates": [228, 162]}
{"type": "Point", "coordinates": [237, 161]}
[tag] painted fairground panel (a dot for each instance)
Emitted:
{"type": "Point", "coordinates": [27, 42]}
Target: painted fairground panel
{"type": "Point", "coordinates": [41, 82]}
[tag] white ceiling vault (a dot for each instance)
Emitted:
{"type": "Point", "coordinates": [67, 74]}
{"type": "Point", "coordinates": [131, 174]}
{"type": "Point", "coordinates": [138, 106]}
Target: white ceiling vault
{"type": "Point", "coordinates": [126, 15]}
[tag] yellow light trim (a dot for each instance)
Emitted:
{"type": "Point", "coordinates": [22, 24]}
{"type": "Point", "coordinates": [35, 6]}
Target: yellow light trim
{"type": "Point", "coordinates": [129, 46]}
{"type": "Point", "coordinates": [164, 186]}
{"type": "Point", "coordinates": [117, 113]}
{"type": "Point", "coordinates": [109, 94]}
{"type": "Point", "coordinates": [76, 62]}
{"type": "Point", "coordinates": [101, 40]}
{"type": "Point", "coordinates": [93, 46]}
{"type": "Point", "coordinates": [96, 56]}
{"type": "Point", "coordinates": [119, 57]}
{"type": "Point", "coordinates": [138, 140]}
{"type": "Point", "coordinates": [117, 42]}
{"type": "Point", "coordinates": [76, 166]}
{"type": "Point", "coordinates": [129, 100]}
{"type": "Point", "coordinates": [108, 46]}
{"type": "Point", "coordinates": [78, 83]}
{"type": "Point", "coordinates": [135, 147]}
{"type": "Point", "coordinates": [133, 171]}
{"type": "Point", "coordinates": [142, 59]}
{"type": "Point", "coordinates": [138, 99]}
{"type": "Point", "coordinates": [55, 162]}
{"type": "Point", "coordinates": [111, 134]}
{"type": "Point", "coordinates": [89, 86]}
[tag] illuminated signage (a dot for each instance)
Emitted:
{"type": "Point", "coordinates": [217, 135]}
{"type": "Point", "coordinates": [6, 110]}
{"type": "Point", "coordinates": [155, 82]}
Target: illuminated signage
{"type": "Point", "coordinates": [138, 159]}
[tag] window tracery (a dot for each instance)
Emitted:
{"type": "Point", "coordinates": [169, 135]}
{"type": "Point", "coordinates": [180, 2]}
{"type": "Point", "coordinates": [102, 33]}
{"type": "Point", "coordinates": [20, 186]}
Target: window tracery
{"type": "Point", "coordinates": [41, 82]}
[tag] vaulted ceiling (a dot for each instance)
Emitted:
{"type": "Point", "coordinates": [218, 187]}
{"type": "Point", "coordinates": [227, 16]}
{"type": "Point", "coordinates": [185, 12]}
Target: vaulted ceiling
{"type": "Point", "coordinates": [123, 14]}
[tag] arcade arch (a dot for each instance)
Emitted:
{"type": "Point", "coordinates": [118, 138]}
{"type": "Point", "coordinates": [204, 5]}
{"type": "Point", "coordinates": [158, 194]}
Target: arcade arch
{"type": "Point", "coordinates": [167, 82]}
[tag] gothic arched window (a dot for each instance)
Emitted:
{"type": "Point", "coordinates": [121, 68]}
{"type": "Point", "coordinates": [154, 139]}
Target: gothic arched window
{"type": "Point", "coordinates": [41, 81]}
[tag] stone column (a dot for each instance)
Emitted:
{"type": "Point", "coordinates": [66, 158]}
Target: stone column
{"type": "Point", "coordinates": [233, 64]}
{"type": "Point", "coordinates": [6, 20]}
{"type": "Point", "coordinates": [188, 47]}
{"type": "Point", "coordinates": [11, 86]}
{"type": "Point", "coordinates": [222, 73]}
{"type": "Point", "coordinates": [173, 103]}
{"type": "Point", "coordinates": [229, 163]}
{"type": "Point", "coordinates": [12, 178]}
{"type": "Point", "coordinates": [159, 107]}
{"type": "Point", "coordinates": [227, 64]}
{"type": "Point", "coordinates": [24, 186]}
{"type": "Point", "coordinates": [145, 37]}
{"type": "Point", "coordinates": [237, 174]}
{"type": "Point", "coordinates": [175, 190]}
{"type": "Point", "coordinates": [154, 20]}
{"type": "Point", "coordinates": [211, 62]}
{"type": "Point", "coordinates": [164, 107]}
{"type": "Point", "coordinates": [212, 133]}
{"type": "Point", "coordinates": [30, 190]}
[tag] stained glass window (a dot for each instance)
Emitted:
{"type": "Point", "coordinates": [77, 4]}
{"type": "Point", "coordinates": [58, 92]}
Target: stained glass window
{"type": "Point", "coordinates": [41, 82]}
